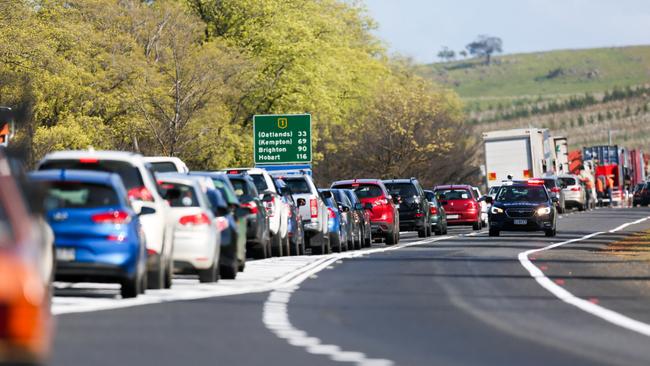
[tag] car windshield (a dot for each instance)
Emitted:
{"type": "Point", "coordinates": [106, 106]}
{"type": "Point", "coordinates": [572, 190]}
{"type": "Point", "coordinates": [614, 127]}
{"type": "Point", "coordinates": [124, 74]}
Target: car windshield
{"type": "Point", "coordinates": [62, 195]}
{"type": "Point", "coordinates": [226, 191]}
{"type": "Point", "coordinates": [534, 194]}
{"type": "Point", "coordinates": [242, 189]}
{"type": "Point", "coordinates": [493, 190]}
{"type": "Point", "coordinates": [453, 194]}
{"type": "Point", "coordinates": [363, 190]}
{"type": "Point", "coordinates": [260, 182]}
{"type": "Point", "coordinates": [550, 183]}
{"type": "Point", "coordinates": [298, 185]}
{"type": "Point", "coordinates": [567, 181]}
{"type": "Point", "coordinates": [402, 189]}
{"type": "Point", "coordinates": [130, 175]}
{"type": "Point", "coordinates": [163, 167]}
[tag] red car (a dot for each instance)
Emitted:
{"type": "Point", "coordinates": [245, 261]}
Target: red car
{"type": "Point", "coordinates": [461, 205]}
{"type": "Point", "coordinates": [384, 217]}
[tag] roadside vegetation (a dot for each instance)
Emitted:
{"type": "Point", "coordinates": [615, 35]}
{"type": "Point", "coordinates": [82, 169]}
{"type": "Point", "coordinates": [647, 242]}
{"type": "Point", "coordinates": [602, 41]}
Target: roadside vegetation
{"type": "Point", "coordinates": [185, 77]}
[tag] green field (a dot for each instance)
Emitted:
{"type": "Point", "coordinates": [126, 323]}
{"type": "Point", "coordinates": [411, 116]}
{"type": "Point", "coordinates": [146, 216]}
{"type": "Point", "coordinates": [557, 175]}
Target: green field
{"type": "Point", "coordinates": [545, 73]}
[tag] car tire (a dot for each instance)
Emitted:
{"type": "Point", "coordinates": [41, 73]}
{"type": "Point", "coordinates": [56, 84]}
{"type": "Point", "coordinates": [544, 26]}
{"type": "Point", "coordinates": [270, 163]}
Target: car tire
{"type": "Point", "coordinates": [286, 246]}
{"type": "Point", "coordinates": [494, 232]}
{"type": "Point", "coordinates": [242, 266]}
{"type": "Point", "coordinates": [156, 278]}
{"type": "Point", "coordinates": [477, 225]}
{"type": "Point", "coordinates": [131, 287]}
{"type": "Point", "coordinates": [211, 274]}
{"type": "Point", "coordinates": [276, 246]}
{"type": "Point", "coordinates": [335, 241]}
{"type": "Point", "coordinates": [437, 232]}
{"type": "Point", "coordinates": [228, 272]}
{"type": "Point", "coordinates": [390, 238]}
{"type": "Point", "coordinates": [422, 233]}
{"type": "Point", "coordinates": [368, 239]}
{"type": "Point", "coordinates": [550, 232]}
{"type": "Point", "coordinates": [259, 252]}
{"type": "Point", "coordinates": [169, 273]}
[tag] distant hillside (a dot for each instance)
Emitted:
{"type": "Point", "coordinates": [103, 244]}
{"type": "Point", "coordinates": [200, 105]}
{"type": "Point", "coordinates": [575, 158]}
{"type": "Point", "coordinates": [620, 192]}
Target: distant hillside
{"type": "Point", "coordinates": [577, 93]}
{"type": "Point", "coordinates": [544, 73]}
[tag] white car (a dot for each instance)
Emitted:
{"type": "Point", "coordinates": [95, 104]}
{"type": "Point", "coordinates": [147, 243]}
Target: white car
{"type": "Point", "coordinates": [278, 213]}
{"type": "Point", "coordinates": [197, 234]}
{"type": "Point", "coordinates": [484, 206]}
{"type": "Point", "coordinates": [166, 164]}
{"type": "Point", "coordinates": [314, 212]}
{"type": "Point", "coordinates": [142, 190]}
{"type": "Point", "coordinates": [575, 194]}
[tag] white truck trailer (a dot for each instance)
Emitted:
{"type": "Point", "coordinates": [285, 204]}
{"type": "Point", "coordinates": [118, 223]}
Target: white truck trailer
{"type": "Point", "coordinates": [520, 153]}
{"type": "Point", "coordinates": [561, 148]}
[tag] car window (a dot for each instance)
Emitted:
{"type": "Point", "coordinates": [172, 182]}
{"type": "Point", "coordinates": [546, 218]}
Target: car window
{"type": "Point", "coordinates": [260, 182]}
{"type": "Point", "coordinates": [453, 194]}
{"type": "Point", "coordinates": [241, 187]}
{"type": "Point", "coordinates": [535, 194]}
{"type": "Point", "coordinates": [368, 191]}
{"type": "Point", "coordinates": [163, 167]}
{"type": "Point", "coordinates": [353, 197]}
{"type": "Point", "coordinates": [298, 185]}
{"type": "Point", "coordinates": [62, 195]}
{"type": "Point", "coordinates": [226, 192]}
{"type": "Point", "coordinates": [494, 190]}
{"type": "Point", "coordinates": [550, 183]}
{"type": "Point", "coordinates": [402, 189]}
{"type": "Point", "coordinates": [186, 198]}
{"type": "Point", "coordinates": [567, 181]}
{"type": "Point", "coordinates": [130, 175]}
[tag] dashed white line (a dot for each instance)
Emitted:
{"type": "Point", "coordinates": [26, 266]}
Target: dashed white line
{"type": "Point", "coordinates": [276, 314]}
{"type": "Point", "coordinates": [584, 305]}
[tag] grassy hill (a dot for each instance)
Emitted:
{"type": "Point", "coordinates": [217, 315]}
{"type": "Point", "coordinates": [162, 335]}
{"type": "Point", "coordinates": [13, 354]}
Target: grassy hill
{"type": "Point", "coordinates": [545, 73]}
{"type": "Point", "coordinates": [580, 94]}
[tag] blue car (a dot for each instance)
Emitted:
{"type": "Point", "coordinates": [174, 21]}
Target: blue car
{"type": "Point", "coordinates": [97, 232]}
{"type": "Point", "coordinates": [337, 225]}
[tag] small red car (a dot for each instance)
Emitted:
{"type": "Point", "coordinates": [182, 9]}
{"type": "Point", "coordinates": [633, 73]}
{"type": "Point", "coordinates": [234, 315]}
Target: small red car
{"type": "Point", "coordinates": [461, 205]}
{"type": "Point", "coordinates": [384, 216]}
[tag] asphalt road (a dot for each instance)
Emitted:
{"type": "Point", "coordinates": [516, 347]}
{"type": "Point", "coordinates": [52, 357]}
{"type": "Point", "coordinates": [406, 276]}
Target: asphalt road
{"type": "Point", "coordinates": [460, 300]}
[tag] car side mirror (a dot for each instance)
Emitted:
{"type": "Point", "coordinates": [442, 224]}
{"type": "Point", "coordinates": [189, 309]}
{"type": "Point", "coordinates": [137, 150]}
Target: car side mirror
{"type": "Point", "coordinates": [326, 194]}
{"type": "Point", "coordinates": [268, 197]}
{"type": "Point", "coordinates": [301, 202]}
{"type": "Point", "coordinates": [368, 206]}
{"type": "Point", "coordinates": [143, 208]}
{"type": "Point", "coordinates": [344, 208]}
{"type": "Point", "coordinates": [555, 199]}
{"type": "Point", "coordinates": [488, 199]}
{"type": "Point", "coordinates": [358, 206]}
{"type": "Point", "coordinates": [397, 199]}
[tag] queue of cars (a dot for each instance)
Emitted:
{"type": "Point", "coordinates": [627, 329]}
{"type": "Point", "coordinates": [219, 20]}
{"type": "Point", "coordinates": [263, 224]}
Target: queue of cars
{"type": "Point", "coordinates": [119, 217]}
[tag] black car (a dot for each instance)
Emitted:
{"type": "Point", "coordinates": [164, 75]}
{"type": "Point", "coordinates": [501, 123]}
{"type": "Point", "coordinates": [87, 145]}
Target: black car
{"type": "Point", "coordinates": [258, 235]}
{"type": "Point", "coordinates": [641, 195]}
{"type": "Point", "coordinates": [413, 205]}
{"type": "Point", "coordinates": [363, 212]}
{"type": "Point", "coordinates": [523, 207]}
{"type": "Point", "coordinates": [438, 215]}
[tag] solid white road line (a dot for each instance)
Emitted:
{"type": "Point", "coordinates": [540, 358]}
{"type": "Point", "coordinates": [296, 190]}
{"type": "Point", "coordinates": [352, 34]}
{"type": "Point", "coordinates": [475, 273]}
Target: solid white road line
{"type": "Point", "coordinates": [584, 305]}
{"type": "Point", "coordinates": [276, 314]}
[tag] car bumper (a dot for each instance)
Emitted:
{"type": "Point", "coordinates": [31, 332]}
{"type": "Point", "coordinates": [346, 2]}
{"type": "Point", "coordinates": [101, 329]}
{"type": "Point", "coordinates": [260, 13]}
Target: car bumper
{"type": "Point", "coordinates": [379, 228]}
{"type": "Point", "coordinates": [195, 248]}
{"type": "Point", "coordinates": [532, 223]}
{"type": "Point", "coordinates": [91, 272]}
{"type": "Point", "coordinates": [411, 224]}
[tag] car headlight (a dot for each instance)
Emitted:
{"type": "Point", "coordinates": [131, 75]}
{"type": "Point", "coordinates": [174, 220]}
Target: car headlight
{"type": "Point", "coordinates": [496, 210]}
{"type": "Point", "coordinates": [543, 211]}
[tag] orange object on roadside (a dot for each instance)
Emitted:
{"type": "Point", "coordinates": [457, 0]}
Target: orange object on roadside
{"type": "Point", "coordinates": [599, 185]}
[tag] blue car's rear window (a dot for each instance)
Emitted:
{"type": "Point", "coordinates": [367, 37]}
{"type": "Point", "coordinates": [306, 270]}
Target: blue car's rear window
{"type": "Point", "coordinates": [79, 195]}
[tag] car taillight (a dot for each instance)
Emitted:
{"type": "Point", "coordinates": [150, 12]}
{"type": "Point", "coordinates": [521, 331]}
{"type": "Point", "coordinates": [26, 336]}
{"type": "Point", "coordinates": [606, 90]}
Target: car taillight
{"type": "Point", "coordinates": [381, 201]}
{"type": "Point", "coordinates": [140, 193]}
{"type": "Point", "coordinates": [289, 212]}
{"type": "Point", "coordinates": [433, 210]}
{"type": "Point", "coordinates": [419, 214]}
{"type": "Point", "coordinates": [194, 220]}
{"type": "Point", "coordinates": [251, 206]}
{"type": "Point", "coordinates": [313, 206]}
{"type": "Point", "coordinates": [89, 160]}
{"type": "Point", "coordinates": [555, 190]}
{"type": "Point", "coordinates": [222, 223]}
{"type": "Point", "coordinates": [119, 238]}
{"type": "Point", "coordinates": [575, 189]}
{"type": "Point", "coordinates": [113, 217]}
{"type": "Point", "coordinates": [269, 207]}
{"type": "Point", "coordinates": [332, 214]}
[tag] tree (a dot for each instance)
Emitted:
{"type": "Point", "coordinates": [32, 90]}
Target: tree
{"type": "Point", "coordinates": [445, 54]}
{"type": "Point", "coordinates": [485, 46]}
{"type": "Point", "coordinates": [463, 54]}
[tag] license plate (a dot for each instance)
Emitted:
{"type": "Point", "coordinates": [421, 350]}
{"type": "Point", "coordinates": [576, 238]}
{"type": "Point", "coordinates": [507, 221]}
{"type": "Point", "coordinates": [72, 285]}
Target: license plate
{"type": "Point", "coordinates": [521, 222]}
{"type": "Point", "coordinates": [452, 217]}
{"type": "Point", "coordinates": [65, 254]}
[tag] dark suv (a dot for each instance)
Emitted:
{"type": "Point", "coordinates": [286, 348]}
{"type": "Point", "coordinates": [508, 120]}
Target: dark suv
{"type": "Point", "coordinates": [413, 205]}
{"type": "Point", "coordinates": [523, 206]}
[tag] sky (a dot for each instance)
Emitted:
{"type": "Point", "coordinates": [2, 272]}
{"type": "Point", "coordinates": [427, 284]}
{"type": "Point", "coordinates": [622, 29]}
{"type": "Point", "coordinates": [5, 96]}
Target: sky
{"type": "Point", "coordinates": [420, 28]}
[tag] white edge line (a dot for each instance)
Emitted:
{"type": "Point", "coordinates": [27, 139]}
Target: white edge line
{"type": "Point", "coordinates": [584, 305]}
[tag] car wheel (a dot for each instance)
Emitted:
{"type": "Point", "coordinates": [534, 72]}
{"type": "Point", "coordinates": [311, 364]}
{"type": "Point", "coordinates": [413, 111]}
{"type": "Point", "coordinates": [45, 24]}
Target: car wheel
{"type": "Point", "coordinates": [335, 241]}
{"type": "Point", "coordinates": [494, 232]}
{"type": "Point", "coordinates": [228, 272]}
{"type": "Point", "coordinates": [156, 279]}
{"type": "Point", "coordinates": [276, 246]}
{"type": "Point", "coordinates": [477, 225]}
{"type": "Point", "coordinates": [169, 273]}
{"type": "Point", "coordinates": [368, 239]}
{"type": "Point", "coordinates": [550, 232]}
{"type": "Point", "coordinates": [286, 247]}
{"type": "Point", "coordinates": [422, 233]}
{"type": "Point", "coordinates": [210, 274]}
{"type": "Point", "coordinates": [438, 231]}
{"type": "Point", "coordinates": [131, 287]}
{"type": "Point", "coordinates": [242, 266]}
{"type": "Point", "coordinates": [259, 252]}
{"type": "Point", "coordinates": [390, 238]}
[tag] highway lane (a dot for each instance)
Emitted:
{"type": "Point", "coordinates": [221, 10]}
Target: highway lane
{"type": "Point", "coordinates": [461, 301]}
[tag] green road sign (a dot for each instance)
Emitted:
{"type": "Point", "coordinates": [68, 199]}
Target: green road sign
{"type": "Point", "coordinates": [282, 139]}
